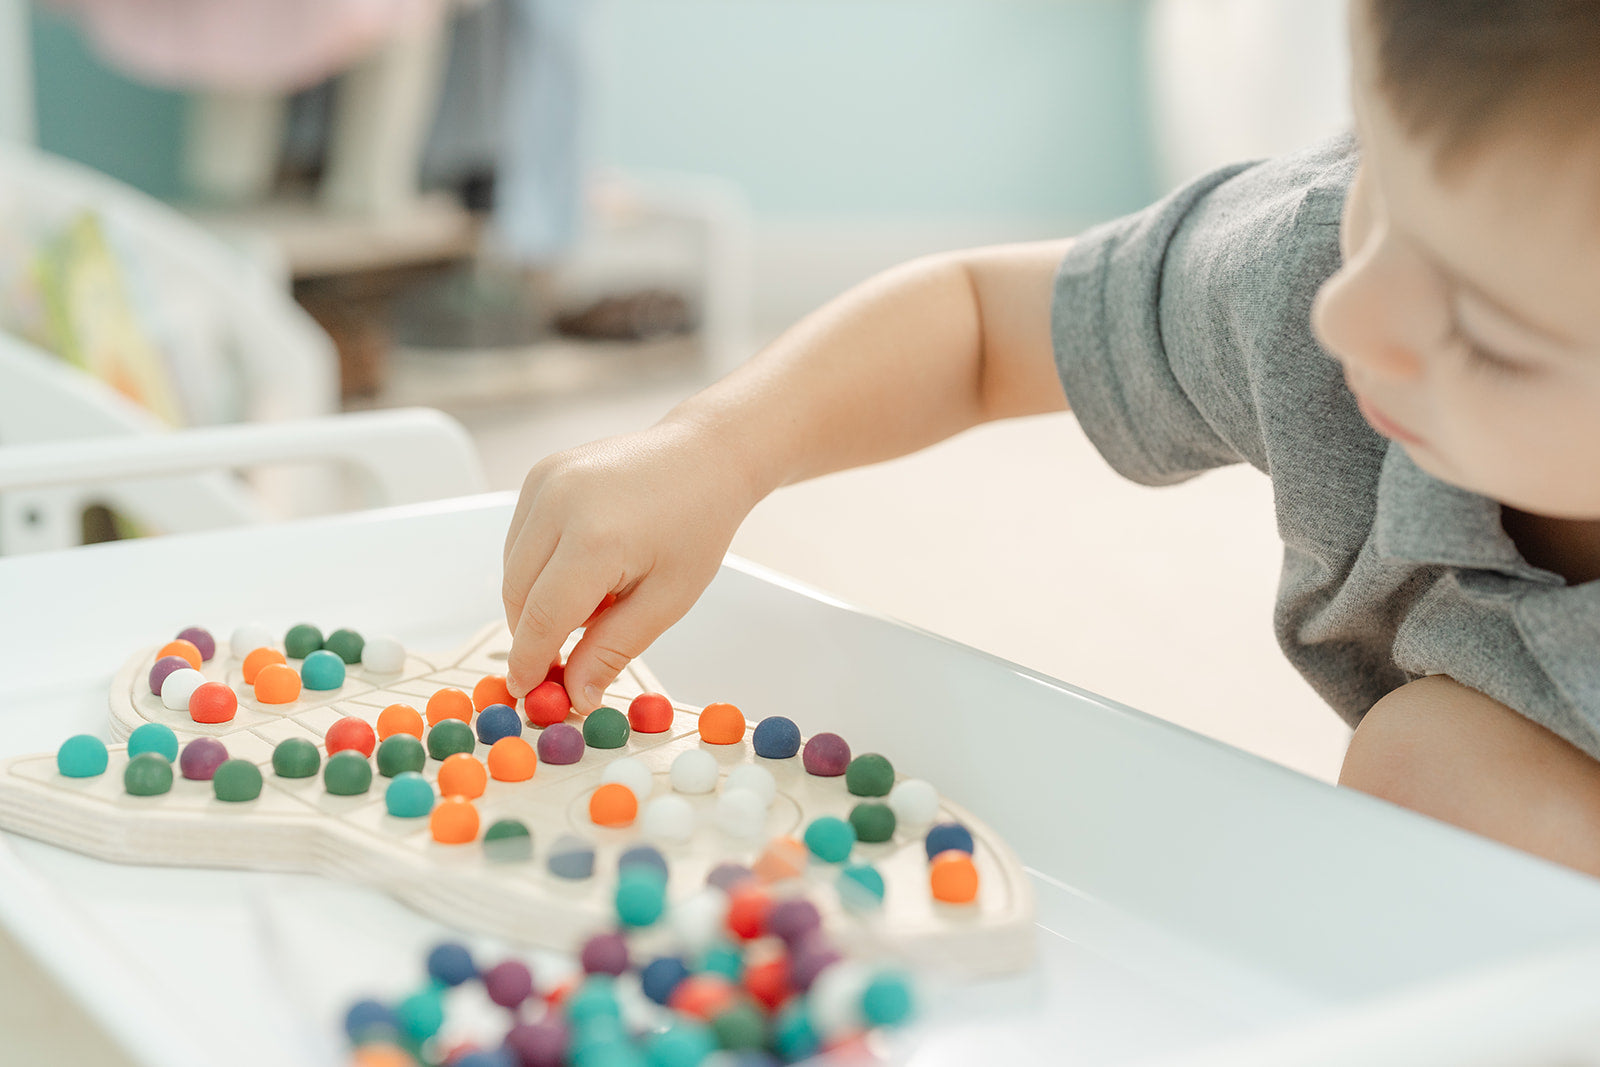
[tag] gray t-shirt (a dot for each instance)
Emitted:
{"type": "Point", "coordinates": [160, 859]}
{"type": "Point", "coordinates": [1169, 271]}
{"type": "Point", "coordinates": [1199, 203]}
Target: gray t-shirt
{"type": "Point", "coordinates": [1183, 339]}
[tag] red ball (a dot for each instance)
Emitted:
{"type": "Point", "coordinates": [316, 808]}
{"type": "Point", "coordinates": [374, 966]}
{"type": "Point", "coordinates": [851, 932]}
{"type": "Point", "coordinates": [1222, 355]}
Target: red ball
{"type": "Point", "coordinates": [352, 733]}
{"type": "Point", "coordinates": [703, 995]}
{"type": "Point", "coordinates": [548, 704]}
{"type": "Point", "coordinates": [748, 906]}
{"type": "Point", "coordinates": [650, 713]}
{"type": "Point", "coordinates": [557, 672]}
{"type": "Point", "coordinates": [213, 702]}
{"type": "Point", "coordinates": [768, 982]}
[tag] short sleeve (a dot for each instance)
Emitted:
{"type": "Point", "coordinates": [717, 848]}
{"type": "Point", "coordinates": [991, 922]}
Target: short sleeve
{"type": "Point", "coordinates": [1167, 323]}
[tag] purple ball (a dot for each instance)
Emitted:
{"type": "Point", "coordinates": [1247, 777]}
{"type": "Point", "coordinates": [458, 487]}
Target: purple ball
{"type": "Point", "coordinates": [508, 984]}
{"type": "Point", "coordinates": [560, 744]}
{"type": "Point", "coordinates": [792, 920]}
{"type": "Point", "coordinates": [201, 758]}
{"type": "Point", "coordinates": [727, 875]}
{"type": "Point", "coordinates": [200, 638]}
{"type": "Point", "coordinates": [826, 756]}
{"type": "Point", "coordinates": [165, 666]}
{"type": "Point", "coordinates": [605, 954]}
{"type": "Point", "coordinates": [541, 1044]}
{"type": "Point", "coordinates": [812, 955]}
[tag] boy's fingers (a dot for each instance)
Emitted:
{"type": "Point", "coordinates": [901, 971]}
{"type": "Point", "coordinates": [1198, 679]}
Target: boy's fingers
{"type": "Point", "coordinates": [617, 637]}
{"type": "Point", "coordinates": [528, 552]}
{"type": "Point", "coordinates": [562, 596]}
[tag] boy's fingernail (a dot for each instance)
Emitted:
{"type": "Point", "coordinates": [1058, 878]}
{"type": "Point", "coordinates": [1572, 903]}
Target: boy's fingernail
{"type": "Point", "coordinates": [592, 695]}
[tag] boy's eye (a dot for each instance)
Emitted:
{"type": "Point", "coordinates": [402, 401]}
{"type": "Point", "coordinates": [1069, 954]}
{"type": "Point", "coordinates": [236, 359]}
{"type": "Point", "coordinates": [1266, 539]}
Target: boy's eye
{"type": "Point", "coordinates": [1481, 358]}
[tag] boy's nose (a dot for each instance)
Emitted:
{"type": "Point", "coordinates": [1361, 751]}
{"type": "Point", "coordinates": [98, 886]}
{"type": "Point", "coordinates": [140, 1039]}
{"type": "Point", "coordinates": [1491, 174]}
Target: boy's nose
{"type": "Point", "coordinates": [1361, 317]}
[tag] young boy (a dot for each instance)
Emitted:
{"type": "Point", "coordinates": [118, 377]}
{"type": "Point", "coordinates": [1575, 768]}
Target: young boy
{"type": "Point", "coordinates": [1401, 330]}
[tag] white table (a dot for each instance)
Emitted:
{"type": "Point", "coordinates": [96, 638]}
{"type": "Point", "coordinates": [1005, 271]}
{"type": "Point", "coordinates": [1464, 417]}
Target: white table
{"type": "Point", "coordinates": [1189, 893]}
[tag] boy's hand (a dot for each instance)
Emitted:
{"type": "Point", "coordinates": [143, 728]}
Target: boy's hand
{"type": "Point", "coordinates": [646, 517]}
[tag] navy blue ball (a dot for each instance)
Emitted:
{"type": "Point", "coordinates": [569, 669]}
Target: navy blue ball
{"type": "Point", "coordinates": [367, 1019]}
{"type": "Point", "coordinates": [497, 721]}
{"type": "Point", "coordinates": [776, 737]}
{"type": "Point", "coordinates": [451, 964]}
{"type": "Point", "coordinates": [947, 836]}
{"type": "Point", "coordinates": [643, 856]}
{"type": "Point", "coordinates": [661, 976]}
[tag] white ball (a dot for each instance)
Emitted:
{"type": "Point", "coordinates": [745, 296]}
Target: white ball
{"type": "Point", "coordinates": [914, 802]}
{"type": "Point", "coordinates": [740, 813]}
{"type": "Point", "coordinates": [247, 638]}
{"type": "Point", "coordinates": [667, 820]}
{"type": "Point", "coordinates": [694, 771]}
{"type": "Point", "coordinates": [755, 778]}
{"type": "Point", "coordinates": [700, 919]}
{"type": "Point", "coordinates": [835, 998]}
{"type": "Point", "coordinates": [383, 655]}
{"type": "Point", "coordinates": [179, 687]}
{"type": "Point", "coordinates": [631, 773]}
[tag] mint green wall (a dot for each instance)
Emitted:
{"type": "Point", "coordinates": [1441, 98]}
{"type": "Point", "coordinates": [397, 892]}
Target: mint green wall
{"type": "Point", "coordinates": [90, 114]}
{"type": "Point", "coordinates": [889, 108]}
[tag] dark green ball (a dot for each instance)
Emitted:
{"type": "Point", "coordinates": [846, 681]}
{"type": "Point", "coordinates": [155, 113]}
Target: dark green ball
{"type": "Point", "coordinates": [236, 780]}
{"type": "Point", "coordinates": [507, 841]}
{"type": "Point", "coordinates": [346, 644]}
{"type": "Point", "coordinates": [606, 728]}
{"type": "Point", "coordinates": [869, 776]}
{"type": "Point", "coordinates": [295, 757]}
{"type": "Point", "coordinates": [301, 641]}
{"type": "Point", "coordinates": [347, 774]}
{"type": "Point", "coordinates": [740, 1027]}
{"type": "Point", "coordinates": [873, 822]}
{"type": "Point", "coordinates": [147, 775]}
{"type": "Point", "coordinates": [398, 753]}
{"type": "Point", "coordinates": [449, 736]}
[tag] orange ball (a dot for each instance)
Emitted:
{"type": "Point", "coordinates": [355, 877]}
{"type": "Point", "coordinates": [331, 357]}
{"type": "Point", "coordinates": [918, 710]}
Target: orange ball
{"type": "Point", "coordinates": [462, 775]}
{"type": "Point", "coordinates": [953, 877]}
{"type": "Point", "coordinates": [399, 719]}
{"type": "Point", "coordinates": [454, 821]}
{"type": "Point", "coordinates": [782, 859]}
{"type": "Point", "coordinates": [650, 713]}
{"type": "Point", "coordinates": [704, 996]}
{"type": "Point", "coordinates": [449, 704]}
{"type": "Point", "coordinates": [184, 650]}
{"type": "Point", "coordinates": [511, 759]}
{"type": "Point", "coordinates": [491, 689]}
{"type": "Point", "coordinates": [613, 804]}
{"type": "Point", "coordinates": [277, 683]}
{"type": "Point", "coordinates": [721, 724]}
{"type": "Point", "coordinates": [257, 659]}
{"type": "Point", "coordinates": [381, 1055]}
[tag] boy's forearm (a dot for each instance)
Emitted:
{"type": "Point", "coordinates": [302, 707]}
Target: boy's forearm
{"type": "Point", "coordinates": [906, 359]}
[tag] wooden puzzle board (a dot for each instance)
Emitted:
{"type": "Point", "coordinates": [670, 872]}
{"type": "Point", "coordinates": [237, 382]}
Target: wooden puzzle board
{"type": "Point", "coordinates": [296, 825]}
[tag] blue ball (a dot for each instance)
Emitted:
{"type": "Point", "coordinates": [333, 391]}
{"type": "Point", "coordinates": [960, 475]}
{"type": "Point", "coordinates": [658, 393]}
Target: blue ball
{"type": "Point", "coordinates": [368, 1019]}
{"type": "Point", "coordinates": [153, 737]}
{"type": "Point", "coordinates": [497, 721]}
{"type": "Point", "coordinates": [776, 737]}
{"type": "Point", "coordinates": [451, 964]}
{"type": "Point", "coordinates": [949, 835]}
{"type": "Point", "coordinates": [661, 976]}
{"type": "Point", "coordinates": [322, 670]}
{"type": "Point", "coordinates": [498, 1057]}
{"type": "Point", "coordinates": [643, 856]}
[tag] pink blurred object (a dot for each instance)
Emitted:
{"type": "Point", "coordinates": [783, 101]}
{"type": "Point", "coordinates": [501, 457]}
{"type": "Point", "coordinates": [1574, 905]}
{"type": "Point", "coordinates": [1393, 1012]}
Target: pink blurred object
{"type": "Point", "coordinates": [275, 45]}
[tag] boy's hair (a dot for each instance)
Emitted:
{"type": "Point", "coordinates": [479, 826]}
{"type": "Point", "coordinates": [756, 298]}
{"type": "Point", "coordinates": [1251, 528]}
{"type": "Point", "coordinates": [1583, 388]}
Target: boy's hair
{"type": "Point", "coordinates": [1456, 70]}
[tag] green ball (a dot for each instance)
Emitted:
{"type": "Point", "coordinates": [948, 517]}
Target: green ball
{"type": "Point", "coordinates": [606, 728]}
{"type": "Point", "coordinates": [346, 644]}
{"type": "Point", "coordinates": [82, 756]}
{"type": "Point", "coordinates": [322, 670]}
{"type": "Point", "coordinates": [347, 773]}
{"type": "Point", "coordinates": [301, 641]}
{"type": "Point", "coordinates": [792, 1033]}
{"type": "Point", "coordinates": [507, 841]}
{"type": "Point", "coordinates": [830, 839]}
{"type": "Point", "coordinates": [147, 775]}
{"type": "Point", "coordinates": [422, 1013]}
{"type": "Point", "coordinates": [872, 822]}
{"type": "Point", "coordinates": [887, 999]}
{"type": "Point", "coordinates": [685, 1043]}
{"type": "Point", "coordinates": [399, 753]}
{"type": "Point", "coordinates": [641, 896]}
{"type": "Point", "coordinates": [724, 959]}
{"type": "Point", "coordinates": [870, 775]}
{"type": "Point", "coordinates": [409, 796]}
{"type": "Point", "coordinates": [153, 737]}
{"type": "Point", "coordinates": [449, 736]}
{"type": "Point", "coordinates": [740, 1027]}
{"type": "Point", "coordinates": [860, 888]}
{"type": "Point", "coordinates": [295, 757]}
{"type": "Point", "coordinates": [237, 779]}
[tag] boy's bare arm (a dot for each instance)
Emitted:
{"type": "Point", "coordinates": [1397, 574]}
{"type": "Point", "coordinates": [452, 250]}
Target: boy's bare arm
{"type": "Point", "coordinates": [908, 358]}
{"type": "Point", "coordinates": [1451, 752]}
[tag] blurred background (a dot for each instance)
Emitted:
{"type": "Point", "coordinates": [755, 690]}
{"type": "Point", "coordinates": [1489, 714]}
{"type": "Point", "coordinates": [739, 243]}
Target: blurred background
{"type": "Point", "coordinates": [552, 219]}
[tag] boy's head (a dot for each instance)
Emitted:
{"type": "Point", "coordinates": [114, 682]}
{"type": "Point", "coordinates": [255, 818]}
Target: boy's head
{"type": "Point", "coordinates": [1467, 312]}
